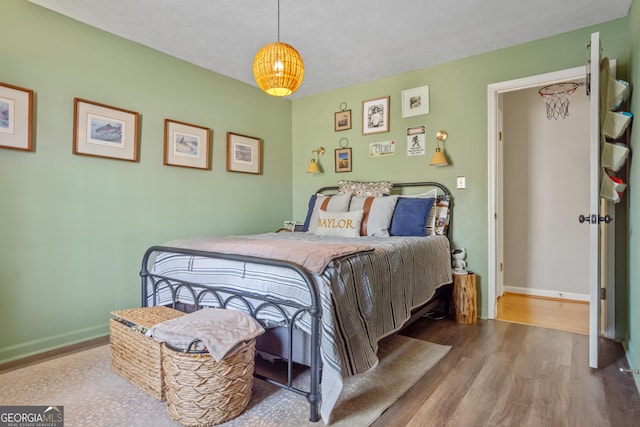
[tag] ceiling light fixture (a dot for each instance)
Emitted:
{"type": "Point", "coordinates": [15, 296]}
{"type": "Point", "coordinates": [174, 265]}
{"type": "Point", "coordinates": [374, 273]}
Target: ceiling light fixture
{"type": "Point", "coordinates": [278, 67]}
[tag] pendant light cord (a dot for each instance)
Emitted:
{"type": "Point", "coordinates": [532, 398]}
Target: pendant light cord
{"type": "Point", "coordinates": [278, 21]}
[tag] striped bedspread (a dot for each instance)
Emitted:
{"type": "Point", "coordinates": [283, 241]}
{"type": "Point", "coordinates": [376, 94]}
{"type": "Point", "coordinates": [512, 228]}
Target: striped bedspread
{"type": "Point", "coordinates": [365, 296]}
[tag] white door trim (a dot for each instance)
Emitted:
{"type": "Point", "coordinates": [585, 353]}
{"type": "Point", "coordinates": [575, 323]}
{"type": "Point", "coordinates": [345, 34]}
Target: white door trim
{"type": "Point", "coordinates": [493, 91]}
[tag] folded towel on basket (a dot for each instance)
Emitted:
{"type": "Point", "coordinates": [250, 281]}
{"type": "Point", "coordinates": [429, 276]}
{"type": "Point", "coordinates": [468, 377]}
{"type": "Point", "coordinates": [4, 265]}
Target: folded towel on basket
{"type": "Point", "coordinates": [221, 330]}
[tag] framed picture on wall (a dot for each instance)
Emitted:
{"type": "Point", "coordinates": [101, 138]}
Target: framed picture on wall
{"type": "Point", "coordinates": [186, 145]}
{"type": "Point", "coordinates": [342, 120]}
{"type": "Point", "coordinates": [16, 117]}
{"type": "Point", "coordinates": [375, 115]}
{"type": "Point", "coordinates": [415, 102]}
{"type": "Point", "coordinates": [104, 131]}
{"type": "Point", "coordinates": [243, 153]}
{"type": "Point", "coordinates": [343, 160]}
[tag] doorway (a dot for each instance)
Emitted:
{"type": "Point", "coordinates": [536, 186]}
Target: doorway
{"type": "Point", "coordinates": [543, 158]}
{"type": "Point", "coordinates": [550, 163]}
{"type": "Point", "coordinates": [496, 286]}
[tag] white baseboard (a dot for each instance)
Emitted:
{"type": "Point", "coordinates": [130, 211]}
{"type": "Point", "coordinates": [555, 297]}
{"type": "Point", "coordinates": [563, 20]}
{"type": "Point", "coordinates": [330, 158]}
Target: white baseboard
{"type": "Point", "coordinates": [546, 293]}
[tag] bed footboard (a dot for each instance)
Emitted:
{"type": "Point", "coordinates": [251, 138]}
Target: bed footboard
{"type": "Point", "coordinates": [255, 304]}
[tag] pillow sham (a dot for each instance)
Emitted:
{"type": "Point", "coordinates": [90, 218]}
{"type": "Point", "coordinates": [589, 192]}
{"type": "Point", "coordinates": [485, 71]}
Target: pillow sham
{"type": "Point", "coordinates": [377, 214]}
{"type": "Point", "coordinates": [365, 189]}
{"type": "Point", "coordinates": [333, 203]}
{"type": "Point", "coordinates": [343, 224]}
{"type": "Point", "coordinates": [410, 216]}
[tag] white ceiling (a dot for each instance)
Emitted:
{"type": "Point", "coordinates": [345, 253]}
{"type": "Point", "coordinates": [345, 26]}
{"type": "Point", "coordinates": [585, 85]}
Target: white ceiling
{"type": "Point", "coordinates": [342, 42]}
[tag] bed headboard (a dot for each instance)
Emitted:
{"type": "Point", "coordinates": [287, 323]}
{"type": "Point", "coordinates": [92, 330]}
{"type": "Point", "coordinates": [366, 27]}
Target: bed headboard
{"type": "Point", "coordinates": [398, 188]}
{"type": "Point", "coordinates": [396, 185]}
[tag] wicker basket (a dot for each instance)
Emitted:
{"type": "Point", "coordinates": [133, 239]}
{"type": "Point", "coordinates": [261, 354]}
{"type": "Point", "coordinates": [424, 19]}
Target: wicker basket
{"type": "Point", "coordinates": [134, 356]}
{"type": "Point", "coordinates": [203, 392]}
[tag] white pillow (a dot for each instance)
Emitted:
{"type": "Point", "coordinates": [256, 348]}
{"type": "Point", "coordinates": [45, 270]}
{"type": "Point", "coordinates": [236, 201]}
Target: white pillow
{"type": "Point", "coordinates": [334, 203]}
{"type": "Point", "coordinates": [377, 214]}
{"type": "Point", "coordinates": [344, 224]}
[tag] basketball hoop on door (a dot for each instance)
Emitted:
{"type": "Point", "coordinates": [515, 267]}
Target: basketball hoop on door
{"type": "Point", "coordinates": [556, 97]}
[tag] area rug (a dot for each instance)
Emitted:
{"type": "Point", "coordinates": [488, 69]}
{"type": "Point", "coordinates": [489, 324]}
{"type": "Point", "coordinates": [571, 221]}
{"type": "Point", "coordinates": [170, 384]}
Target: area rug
{"type": "Point", "coordinates": [93, 395]}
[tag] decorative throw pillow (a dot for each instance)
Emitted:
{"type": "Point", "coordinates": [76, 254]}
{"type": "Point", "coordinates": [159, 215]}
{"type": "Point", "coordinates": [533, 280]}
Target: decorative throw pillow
{"type": "Point", "coordinates": [410, 216]}
{"type": "Point", "coordinates": [365, 189]}
{"type": "Point", "coordinates": [441, 216]}
{"type": "Point", "coordinates": [334, 203]}
{"type": "Point", "coordinates": [431, 220]}
{"type": "Point", "coordinates": [377, 214]}
{"type": "Point", "coordinates": [344, 224]}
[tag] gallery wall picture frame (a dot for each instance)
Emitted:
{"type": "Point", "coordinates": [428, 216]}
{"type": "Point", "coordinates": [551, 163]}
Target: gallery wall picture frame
{"type": "Point", "coordinates": [343, 160]}
{"type": "Point", "coordinates": [375, 115]}
{"type": "Point", "coordinates": [101, 130]}
{"type": "Point", "coordinates": [186, 145]}
{"type": "Point", "coordinates": [415, 102]}
{"type": "Point", "coordinates": [342, 120]}
{"type": "Point", "coordinates": [244, 153]}
{"type": "Point", "coordinates": [16, 117]}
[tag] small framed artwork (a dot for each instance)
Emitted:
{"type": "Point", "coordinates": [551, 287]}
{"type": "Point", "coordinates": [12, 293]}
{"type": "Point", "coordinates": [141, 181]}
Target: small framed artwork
{"type": "Point", "coordinates": [186, 145]}
{"type": "Point", "coordinates": [243, 153]}
{"type": "Point", "coordinates": [342, 120]}
{"type": "Point", "coordinates": [104, 131]}
{"type": "Point", "coordinates": [375, 115]}
{"type": "Point", "coordinates": [415, 102]}
{"type": "Point", "coordinates": [343, 160]}
{"type": "Point", "coordinates": [16, 117]}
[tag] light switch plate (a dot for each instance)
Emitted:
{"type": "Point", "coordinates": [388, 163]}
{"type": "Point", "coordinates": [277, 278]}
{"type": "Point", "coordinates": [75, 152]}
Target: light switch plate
{"type": "Point", "coordinates": [461, 183]}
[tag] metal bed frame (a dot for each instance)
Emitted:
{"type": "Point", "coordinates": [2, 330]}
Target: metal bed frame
{"type": "Point", "coordinates": [254, 303]}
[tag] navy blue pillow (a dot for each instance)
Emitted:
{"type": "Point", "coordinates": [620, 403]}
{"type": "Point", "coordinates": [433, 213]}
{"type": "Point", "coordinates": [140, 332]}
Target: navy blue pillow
{"type": "Point", "coordinates": [410, 216]}
{"type": "Point", "coordinates": [312, 203]}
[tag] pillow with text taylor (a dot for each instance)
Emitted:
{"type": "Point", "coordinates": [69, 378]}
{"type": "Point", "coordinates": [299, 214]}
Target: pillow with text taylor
{"type": "Point", "coordinates": [344, 224]}
{"type": "Point", "coordinates": [334, 203]}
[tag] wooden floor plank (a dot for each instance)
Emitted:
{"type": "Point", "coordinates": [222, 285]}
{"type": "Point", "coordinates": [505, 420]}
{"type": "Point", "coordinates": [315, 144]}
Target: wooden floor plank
{"type": "Point", "coordinates": [509, 374]}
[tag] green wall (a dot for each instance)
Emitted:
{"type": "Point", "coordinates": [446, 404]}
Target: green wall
{"type": "Point", "coordinates": [73, 229]}
{"type": "Point", "coordinates": [458, 104]}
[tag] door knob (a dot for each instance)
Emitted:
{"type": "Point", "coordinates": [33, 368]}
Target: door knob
{"type": "Point", "coordinates": [591, 219]}
{"type": "Point", "coordinates": [607, 219]}
{"type": "Point", "coordinates": [584, 218]}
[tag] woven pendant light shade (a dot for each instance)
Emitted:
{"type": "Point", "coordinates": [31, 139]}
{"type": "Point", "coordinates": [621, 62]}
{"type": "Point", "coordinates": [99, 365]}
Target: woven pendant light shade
{"type": "Point", "coordinates": [278, 69]}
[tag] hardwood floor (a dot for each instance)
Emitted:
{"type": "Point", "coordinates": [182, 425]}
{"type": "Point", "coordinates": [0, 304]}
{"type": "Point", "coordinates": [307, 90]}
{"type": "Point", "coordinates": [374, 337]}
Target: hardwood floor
{"type": "Point", "coordinates": [508, 374]}
{"type": "Point", "coordinates": [563, 315]}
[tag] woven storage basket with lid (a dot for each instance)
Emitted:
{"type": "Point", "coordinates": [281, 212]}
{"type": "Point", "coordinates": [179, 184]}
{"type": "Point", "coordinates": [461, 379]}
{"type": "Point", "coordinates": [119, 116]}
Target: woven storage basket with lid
{"type": "Point", "coordinates": [203, 392]}
{"type": "Point", "coordinates": [135, 356]}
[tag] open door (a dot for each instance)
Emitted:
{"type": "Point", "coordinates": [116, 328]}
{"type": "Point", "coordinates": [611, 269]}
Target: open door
{"type": "Point", "coordinates": [593, 217]}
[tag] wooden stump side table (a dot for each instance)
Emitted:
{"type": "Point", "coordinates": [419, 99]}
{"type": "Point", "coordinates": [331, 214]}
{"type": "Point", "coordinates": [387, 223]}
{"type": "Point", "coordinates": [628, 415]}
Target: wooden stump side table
{"type": "Point", "coordinates": [464, 298]}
